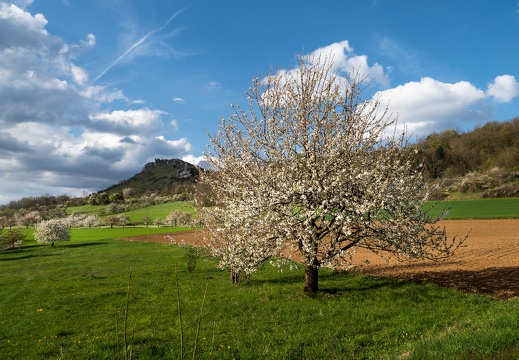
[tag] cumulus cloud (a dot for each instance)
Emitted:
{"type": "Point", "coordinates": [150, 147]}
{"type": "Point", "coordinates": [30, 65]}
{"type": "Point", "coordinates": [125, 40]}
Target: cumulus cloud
{"type": "Point", "coordinates": [504, 88]}
{"type": "Point", "coordinates": [59, 132]}
{"type": "Point", "coordinates": [428, 105]}
{"type": "Point", "coordinates": [195, 160]}
{"type": "Point", "coordinates": [142, 121]}
{"type": "Point", "coordinates": [20, 28]}
{"type": "Point", "coordinates": [345, 60]}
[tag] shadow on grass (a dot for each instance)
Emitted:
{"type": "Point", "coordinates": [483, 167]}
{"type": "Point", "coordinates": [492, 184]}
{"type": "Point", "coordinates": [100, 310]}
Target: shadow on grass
{"type": "Point", "coordinates": [25, 256]}
{"type": "Point", "coordinates": [284, 278]}
{"type": "Point", "coordinates": [496, 282]}
{"type": "Point", "coordinates": [335, 282]}
{"type": "Point", "coordinates": [85, 244]}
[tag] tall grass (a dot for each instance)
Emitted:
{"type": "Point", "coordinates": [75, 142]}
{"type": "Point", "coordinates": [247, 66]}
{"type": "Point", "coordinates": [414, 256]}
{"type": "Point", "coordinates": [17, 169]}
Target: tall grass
{"type": "Point", "coordinates": [60, 303]}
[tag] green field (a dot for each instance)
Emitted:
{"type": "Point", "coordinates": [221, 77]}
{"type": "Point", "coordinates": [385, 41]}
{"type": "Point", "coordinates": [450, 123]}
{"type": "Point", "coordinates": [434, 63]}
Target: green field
{"type": "Point", "coordinates": [68, 302]}
{"type": "Point", "coordinates": [159, 211]}
{"type": "Point", "coordinates": [478, 208]}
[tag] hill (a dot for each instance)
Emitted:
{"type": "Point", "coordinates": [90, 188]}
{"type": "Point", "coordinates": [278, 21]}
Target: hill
{"type": "Point", "coordinates": [162, 176]}
{"type": "Point", "coordinates": [453, 153]}
{"type": "Point", "coordinates": [483, 162]}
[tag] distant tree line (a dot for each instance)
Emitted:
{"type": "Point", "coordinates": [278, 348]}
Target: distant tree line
{"type": "Point", "coordinates": [452, 153]}
{"type": "Point", "coordinates": [37, 202]}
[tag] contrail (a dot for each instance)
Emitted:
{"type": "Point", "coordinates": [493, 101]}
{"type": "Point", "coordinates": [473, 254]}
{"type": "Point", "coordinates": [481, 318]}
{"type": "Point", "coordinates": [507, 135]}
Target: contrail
{"type": "Point", "coordinates": [138, 43]}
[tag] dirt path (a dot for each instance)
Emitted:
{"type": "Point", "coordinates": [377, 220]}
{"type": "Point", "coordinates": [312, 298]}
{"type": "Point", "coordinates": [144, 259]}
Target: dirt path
{"type": "Point", "coordinates": [488, 262]}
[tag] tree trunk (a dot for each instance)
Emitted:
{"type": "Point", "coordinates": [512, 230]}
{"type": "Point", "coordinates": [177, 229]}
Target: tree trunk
{"type": "Point", "coordinates": [239, 276]}
{"type": "Point", "coordinates": [311, 279]}
{"type": "Point", "coordinates": [235, 277]}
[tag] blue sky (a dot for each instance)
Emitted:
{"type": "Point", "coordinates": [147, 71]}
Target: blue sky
{"type": "Point", "coordinates": [91, 90]}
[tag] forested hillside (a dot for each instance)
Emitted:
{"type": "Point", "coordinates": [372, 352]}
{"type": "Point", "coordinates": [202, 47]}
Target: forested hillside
{"type": "Point", "coordinates": [485, 159]}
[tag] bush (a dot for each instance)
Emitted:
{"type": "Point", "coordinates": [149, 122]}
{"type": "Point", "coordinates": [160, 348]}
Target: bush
{"type": "Point", "coordinates": [13, 239]}
{"type": "Point", "coordinates": [192, 255]}
{"type": "Point", "coordinates": [504, 191]}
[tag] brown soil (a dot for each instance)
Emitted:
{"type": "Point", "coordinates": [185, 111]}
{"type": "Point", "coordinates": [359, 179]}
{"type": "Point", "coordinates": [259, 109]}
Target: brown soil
{"type": "Point", "coordinates": [487, 263]}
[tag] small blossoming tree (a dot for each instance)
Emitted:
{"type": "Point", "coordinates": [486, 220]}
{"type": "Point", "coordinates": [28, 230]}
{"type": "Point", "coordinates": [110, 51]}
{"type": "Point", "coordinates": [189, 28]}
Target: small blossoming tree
{"type": "Point", "coordinates": [14, 238]}
{"type": "Point", "coordinates": [92, 221]}
{"type": "Point", "coordinates": [311, 168]}
{"type": "Point", "coordinates": [51, 231]}
{"type": "Point", "coordinates": [242, 243]}
{"type": "Point", "coordinates": [178, 218]}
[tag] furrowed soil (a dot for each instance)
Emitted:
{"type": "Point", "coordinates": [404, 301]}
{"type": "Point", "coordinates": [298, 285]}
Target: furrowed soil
{"type": "Point", "coordinates": [486, 263]}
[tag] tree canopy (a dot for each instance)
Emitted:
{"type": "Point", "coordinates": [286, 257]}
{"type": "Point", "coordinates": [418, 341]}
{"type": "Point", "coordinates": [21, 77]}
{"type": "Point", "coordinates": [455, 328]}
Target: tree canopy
{"type": "Point", "coordinates": [311, 168]}
{"type": "Point", "coordinates": [51, 231]}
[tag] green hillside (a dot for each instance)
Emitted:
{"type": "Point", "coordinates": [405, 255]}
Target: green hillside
{"type": "Point", "coordinates": [163, 176]}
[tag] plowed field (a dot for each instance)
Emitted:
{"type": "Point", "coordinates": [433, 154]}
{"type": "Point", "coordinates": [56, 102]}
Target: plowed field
{"type": "Point", "coordinates": [487, 263]}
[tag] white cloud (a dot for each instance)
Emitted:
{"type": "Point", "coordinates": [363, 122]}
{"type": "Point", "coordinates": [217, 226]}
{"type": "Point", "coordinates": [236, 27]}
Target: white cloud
{"type": "Point", "coordinates": [178, 100]}
{"type": "Point", "coordinates": [212, 85]}
{"type": "Point", "coordinates": [23, 3]}
{"type": "Point", "coordinates": [430, 105]}
{"type": "Point", "coordinates": [431, 97]}
{"type": "Point", "coordinates": [21, 21]}
{"type": "Point", "coordinates": [80, 76]}
{"type": "Point", "coordinates": [91, 39]}
{"type": "Point", "coordinates": [122, 122]}
{"type": "Point", "coordinates": [347, 61]}
{"type": "Point", "coordinates": [504, 88]}
{"type": "Point", "coordinates": [195, 160]}
{"type": "Point", "coordinates": [343, 62]}
{"type": "Point", "coordinates": [173, 125]}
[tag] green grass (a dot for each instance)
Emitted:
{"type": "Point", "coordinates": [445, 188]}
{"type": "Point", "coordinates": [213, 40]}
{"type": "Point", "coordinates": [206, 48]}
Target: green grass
{"type": "Point", "coordinates": [478, 208]}
{"type": "Point", "coordinates": [66, 302]}
{"type": "Point", "coordinates": [96, 234]}
{"type": "Point", "coordinates": [118, 232]}
{"type": "Point", "coordinates": [160, 211]}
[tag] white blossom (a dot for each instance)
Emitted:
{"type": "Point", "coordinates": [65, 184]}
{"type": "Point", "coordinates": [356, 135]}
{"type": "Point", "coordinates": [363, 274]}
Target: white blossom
{"type": "Point", "coordinates": [313, 169]}
{"type": "Point", "coordinates": [51, 231]}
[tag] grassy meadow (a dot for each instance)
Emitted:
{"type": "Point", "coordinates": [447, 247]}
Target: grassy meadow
{"type": "Point", "coordinates": [69, 302]}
